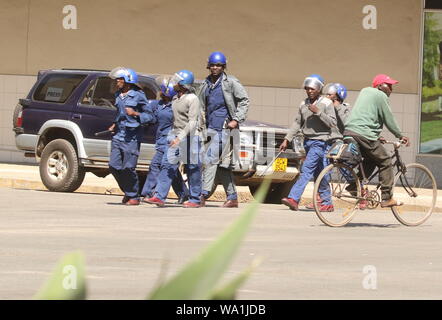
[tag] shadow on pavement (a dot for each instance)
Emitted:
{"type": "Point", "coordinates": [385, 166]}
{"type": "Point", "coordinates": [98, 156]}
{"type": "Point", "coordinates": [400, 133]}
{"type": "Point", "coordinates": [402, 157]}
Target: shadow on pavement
{"type": "Point", "coordinates": [372, 225]}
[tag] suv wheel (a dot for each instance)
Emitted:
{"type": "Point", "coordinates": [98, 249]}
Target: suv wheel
{"type": "Point", "coordinates": [59, 167]}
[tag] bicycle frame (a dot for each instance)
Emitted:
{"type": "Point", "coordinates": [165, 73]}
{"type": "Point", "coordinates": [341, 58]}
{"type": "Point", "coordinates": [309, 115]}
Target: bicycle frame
{"type": "Point", "coordinates": [397, 162]}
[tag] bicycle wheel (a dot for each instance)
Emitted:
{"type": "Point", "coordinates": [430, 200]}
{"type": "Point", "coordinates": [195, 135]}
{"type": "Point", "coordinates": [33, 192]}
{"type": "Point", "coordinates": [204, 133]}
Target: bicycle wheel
{"type": "Point", "coordinates": [333, 182]}
{"type": "Point", "coordinates": [418, 191]}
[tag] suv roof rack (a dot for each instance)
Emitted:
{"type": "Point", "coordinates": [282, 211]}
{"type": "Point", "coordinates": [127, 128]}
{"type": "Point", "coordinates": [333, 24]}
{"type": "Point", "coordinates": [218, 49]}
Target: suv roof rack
{"type": "Point", "coordinates": [77, 69]}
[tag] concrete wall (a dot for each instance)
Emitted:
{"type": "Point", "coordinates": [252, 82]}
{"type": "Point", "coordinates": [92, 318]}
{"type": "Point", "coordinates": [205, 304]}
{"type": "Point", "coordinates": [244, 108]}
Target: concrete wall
{"type": "Point", "coordinates": [434, 164]}
{"type": "Point", "coordinates": [12, 88]}
{"type": "Point", "coordinates": [268, 43]}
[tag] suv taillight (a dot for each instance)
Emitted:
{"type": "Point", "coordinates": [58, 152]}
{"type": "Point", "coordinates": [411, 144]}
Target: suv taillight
{"type": "Point", "coordinates": [19, 122]}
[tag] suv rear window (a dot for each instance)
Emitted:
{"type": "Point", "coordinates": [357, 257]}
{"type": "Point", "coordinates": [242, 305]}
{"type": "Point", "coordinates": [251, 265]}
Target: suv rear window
{"type": "Point", "coordinates": [57, 87]}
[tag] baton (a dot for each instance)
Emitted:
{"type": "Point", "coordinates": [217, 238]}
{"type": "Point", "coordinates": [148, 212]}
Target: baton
{"type": "Point", "coordinates": [270, 164]}
{"type": "Point", "coordinates": [102, 133]}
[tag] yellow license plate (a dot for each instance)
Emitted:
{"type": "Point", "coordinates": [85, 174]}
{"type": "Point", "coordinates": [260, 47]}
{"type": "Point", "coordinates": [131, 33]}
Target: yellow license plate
{"type": "Point", "coordinates": [280, 165]}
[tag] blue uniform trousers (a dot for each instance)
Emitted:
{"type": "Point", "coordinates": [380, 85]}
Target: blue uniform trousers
{"type": "Point", "coordinates": [216, 149]}
{"type": "Point", "coordinates": [189, 153]}
{"type": "Point", "coordinates": [313, 164]}
{"type": "Point", "coordinates": [178, 185]}
{"type": "Point", "coordinates": [122, 163]}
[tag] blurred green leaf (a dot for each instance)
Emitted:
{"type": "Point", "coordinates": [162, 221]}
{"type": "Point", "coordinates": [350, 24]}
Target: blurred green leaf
{"type": "Point", "coordinates": [229, 290]}
{"type": "Point", "coordinates": [199, 277]}
{"type": "Point", "coordinates": [67, 282]}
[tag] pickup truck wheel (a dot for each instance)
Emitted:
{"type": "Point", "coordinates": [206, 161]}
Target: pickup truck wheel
{"type": "Point", "coordinates": [276, 192]}
{"type": "Point", "coordinates": [59, 167]}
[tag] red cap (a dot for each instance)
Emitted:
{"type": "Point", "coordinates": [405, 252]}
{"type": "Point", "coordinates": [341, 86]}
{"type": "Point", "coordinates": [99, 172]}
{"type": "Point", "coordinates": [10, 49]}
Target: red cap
{"type": "Point", "coordinates": [383, 78]}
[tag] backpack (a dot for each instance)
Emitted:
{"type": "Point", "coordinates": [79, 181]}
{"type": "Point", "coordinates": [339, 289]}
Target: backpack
{"type": "Point", "coordinates": [345, 151]}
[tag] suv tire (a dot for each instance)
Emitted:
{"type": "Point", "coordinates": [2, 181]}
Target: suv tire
{"type": "Point", "coordinates": [59, 167]}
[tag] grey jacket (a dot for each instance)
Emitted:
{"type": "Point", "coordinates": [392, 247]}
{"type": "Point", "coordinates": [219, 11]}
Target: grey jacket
{"type": "Point", "coordinates": [186, 112]}
{"type": "Point", "coordinates": [235, 95]}
{"type": "Point", "coordinates": [342, 113]}
{"type": "Point", "coordinates": [314, 126]}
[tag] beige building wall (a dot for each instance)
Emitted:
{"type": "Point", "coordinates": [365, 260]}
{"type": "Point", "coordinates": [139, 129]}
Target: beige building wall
{"type": "Point", "coordinates": [268, 43]}
{"type": "Point", "coordinates": [271, 46]}
{"type": "Point", "coordinates": [12, 88]}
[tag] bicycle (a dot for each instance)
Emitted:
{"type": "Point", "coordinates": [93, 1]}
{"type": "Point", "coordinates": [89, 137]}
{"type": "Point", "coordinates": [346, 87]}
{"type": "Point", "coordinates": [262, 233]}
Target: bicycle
{"type": "Point", "coordinates": [417, 181]}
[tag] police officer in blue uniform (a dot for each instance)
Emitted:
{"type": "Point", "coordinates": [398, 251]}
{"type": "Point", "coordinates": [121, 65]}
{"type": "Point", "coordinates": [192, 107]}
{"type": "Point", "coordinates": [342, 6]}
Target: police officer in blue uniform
{"type": "Point", "coordinates": [184, 143]}
{"type": "Point", "coordinates": [225, 104]}
{"type": "Point", "coordinates": [162, 110]}
{"type": "Point", "coordinates": [133, 111]}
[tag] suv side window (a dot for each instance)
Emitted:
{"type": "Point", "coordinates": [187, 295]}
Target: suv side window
{"type": "Point", "coordinates": [100, 93]}
{"type": "Point", "coordinates": [57, 87]}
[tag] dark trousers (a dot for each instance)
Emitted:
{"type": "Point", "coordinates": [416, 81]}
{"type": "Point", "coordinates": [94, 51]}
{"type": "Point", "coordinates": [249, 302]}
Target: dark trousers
{"type": "Point", "coordinates": [188, 152]}
{"type": "Point", "coordinates": [178, 185]}
{"type": "Point", "coordinates": [375, 155]}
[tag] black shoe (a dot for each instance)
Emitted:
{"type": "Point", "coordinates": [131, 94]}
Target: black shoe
{"type": "Point", "coordinates": [351, 188]}
{"type": "Point", "coordinates": [125, 199]}
{"type": "Point", "coordinates": [182, 199]}
{"type": "Point", "coordinates": [202, 201]}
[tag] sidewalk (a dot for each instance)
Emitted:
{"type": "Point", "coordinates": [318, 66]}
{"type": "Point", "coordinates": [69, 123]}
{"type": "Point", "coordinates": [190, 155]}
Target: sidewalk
{"type": "Point", "coordinates": [28, 177]}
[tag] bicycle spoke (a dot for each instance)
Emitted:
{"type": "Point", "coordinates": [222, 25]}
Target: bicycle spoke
{"type": "Point", "coordinates": [344, 204]}
{"type": "Point", "coordinates": [420, 196]}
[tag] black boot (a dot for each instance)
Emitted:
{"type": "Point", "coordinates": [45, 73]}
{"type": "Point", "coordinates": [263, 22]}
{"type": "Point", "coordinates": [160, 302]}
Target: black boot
{"type": "Point", "coordinates": [182, 199]}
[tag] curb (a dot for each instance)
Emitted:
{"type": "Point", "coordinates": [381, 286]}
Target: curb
{"type": "Point", "coordinates": [219, 196]}
{"type": "Point", "coordinates": [243, 197]}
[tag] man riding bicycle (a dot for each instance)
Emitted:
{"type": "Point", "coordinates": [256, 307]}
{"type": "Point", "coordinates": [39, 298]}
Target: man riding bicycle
{"type": "Point", "coordinates": [365, 124]}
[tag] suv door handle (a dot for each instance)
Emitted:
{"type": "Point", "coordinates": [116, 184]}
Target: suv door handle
{"type": "Point", "coordinates": [76, 116]}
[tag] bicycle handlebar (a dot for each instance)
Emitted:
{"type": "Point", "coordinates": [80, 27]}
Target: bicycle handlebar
{"type": "Point", "coordinates": [396, 144]}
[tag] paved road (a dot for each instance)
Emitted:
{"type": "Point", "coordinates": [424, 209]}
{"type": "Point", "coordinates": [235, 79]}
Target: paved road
{"type": "Point", "coordinates": [126, 247]}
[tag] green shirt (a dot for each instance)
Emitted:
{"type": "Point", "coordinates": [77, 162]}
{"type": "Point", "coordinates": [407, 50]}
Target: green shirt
{"type": "Point", "coordinates": [369, 114]}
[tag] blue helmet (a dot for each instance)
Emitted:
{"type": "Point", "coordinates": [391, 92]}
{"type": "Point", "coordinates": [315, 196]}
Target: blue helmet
{"type": "Point", "coordinates": [314, 81]}
{"type": "Point", "coordinates": [129, 75]}
{"type": "Point", "coordinates": [186, 77]}
{"type": "Point", "coordinates": [168, 90]}
{"type": "Point", "coordinates": [339, 89]}
{"type": "Point", "coordinates": [217, 57]}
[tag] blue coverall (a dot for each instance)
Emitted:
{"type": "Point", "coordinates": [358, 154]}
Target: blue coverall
{"type": "Point", "coordinates": [164, 118]}
{"type": "Point", "coordinates": [125, 145]}
{"type": "Point", "coordinates": [217, 116]}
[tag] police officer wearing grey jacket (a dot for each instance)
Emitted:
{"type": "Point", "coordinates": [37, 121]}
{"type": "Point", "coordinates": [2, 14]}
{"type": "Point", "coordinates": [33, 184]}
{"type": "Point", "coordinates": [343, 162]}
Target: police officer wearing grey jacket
{"type": "Point", "coordinates": [337, 93]}
{"type": "Point", "coordinates": [315, 118]}
{"type": "Point", "coordinates": [225, 105]}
